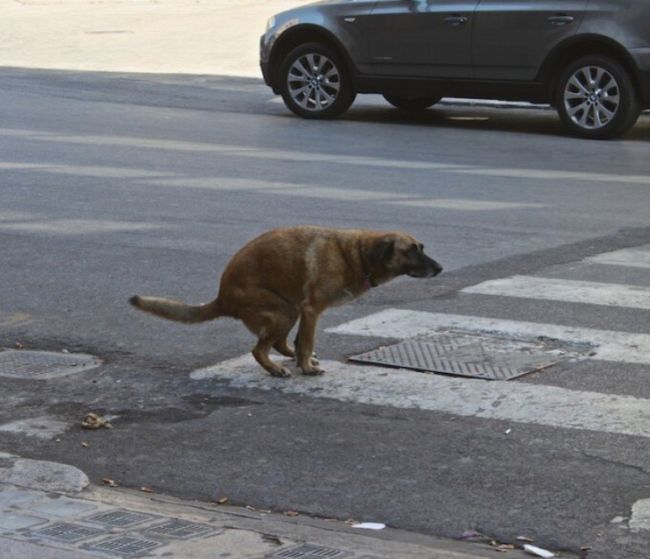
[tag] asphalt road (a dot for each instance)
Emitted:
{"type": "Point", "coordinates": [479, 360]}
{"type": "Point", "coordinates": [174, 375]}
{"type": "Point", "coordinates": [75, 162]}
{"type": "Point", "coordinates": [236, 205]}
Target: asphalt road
{"type": "Point", "coordinates": [121, 184]}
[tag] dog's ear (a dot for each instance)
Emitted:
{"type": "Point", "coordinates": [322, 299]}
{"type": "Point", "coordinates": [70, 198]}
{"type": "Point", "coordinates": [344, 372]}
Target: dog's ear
{"type": "Point", "coordinates": [381, 251]}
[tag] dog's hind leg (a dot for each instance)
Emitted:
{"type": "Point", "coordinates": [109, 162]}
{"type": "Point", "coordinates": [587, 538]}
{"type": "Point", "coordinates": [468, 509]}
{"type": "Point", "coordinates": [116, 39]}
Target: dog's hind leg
{"type": "Point", "coordinates": [282, 344]}
{"type": "Point", "coordinates": [270, 328]}
{"type": "Point", "coordinates": [261, 354]}
{"type": "Point", "coordinates": [283, 348]}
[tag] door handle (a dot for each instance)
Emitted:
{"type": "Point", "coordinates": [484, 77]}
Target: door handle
{"type": "Point", "coordinates": [456, 21]}
{"type": "Point", "coordinates": [560, 19]}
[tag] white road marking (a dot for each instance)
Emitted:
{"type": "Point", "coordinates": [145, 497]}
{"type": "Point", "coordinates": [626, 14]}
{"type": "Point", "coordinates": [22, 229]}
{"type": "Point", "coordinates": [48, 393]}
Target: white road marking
{"type": "Point", "coordinates": [464, 204]}
{"type": "Point", "coordinates": [11, 166]}
{"type": "Point", "coordinates": [274, 154]}
{"type": "Point", "coordinates": [640, 519]}
{"type": "Point", "coordinates": [151, 177]}
{"type": "Point", "coordinates": [84, 170]}
{"type": "Point", "coordinates": [124, 141]}
{"type": "Point", "coordinates": [76, 226]}
{"type": "Point", "coordinates": [222, 183]}
{"type": "Point", "coordinates": [633, 257]}
{"type": "Point", "coordinates": [346, 159]}
{"type": "Point", "coordinates": [398, 388]}
{"type": "Point", "coordinates": [570, 291]}
{"type": "Point", "coordinates": [336, 193]}
{"type": "Point", "coordinates": [549, 174]}
{"type": "Point", "coordinates": [401, 324]}
{"type": "Point", "coordinates": [239, 151]}
{"type": "Point", "coordinates": [271, 187]}
{"type": "Point", "coordinates": [97, 171]}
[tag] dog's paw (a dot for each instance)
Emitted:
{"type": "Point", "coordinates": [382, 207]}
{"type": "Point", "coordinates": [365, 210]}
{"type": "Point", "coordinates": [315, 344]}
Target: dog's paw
{"type": "Point", "coordinates": [280, 372]}
{"type": "Point", "coordinates": [313, 371]}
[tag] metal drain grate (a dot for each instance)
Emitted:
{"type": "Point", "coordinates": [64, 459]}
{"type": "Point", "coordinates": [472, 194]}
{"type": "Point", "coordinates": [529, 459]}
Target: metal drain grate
{"type": "Point", "coordinates": [66, 532]}
{"type": "Point", "coordinates": [119, 518]}
{"type": "Point", "coordinates": [308, 551]}
{"type": "Point", "coordinates": [470, 355]}
{"type": "Point", "coordinates": [124, 546]}
{"type": "Point", "coordinates": [179, 529]}
{"type": "Point", "coordinates": [43, 364]}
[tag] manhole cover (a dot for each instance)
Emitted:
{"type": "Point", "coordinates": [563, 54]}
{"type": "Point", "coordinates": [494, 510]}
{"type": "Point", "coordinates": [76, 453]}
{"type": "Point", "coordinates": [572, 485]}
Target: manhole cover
{"type": "Point", "coordinates": [123, 546]}
{"type": "Point", "coordinates": [66, 532]}
{"type": "Point", "coordinates": [119, 518]}
{"type": "Point", "coordinates": [43, 364]}
{"type": "Point", "coordinates": [181, 529]}
{"type": "Point", "coordinates": [470, 355]}
{"type": "Point", "coordinates": [308, 551]}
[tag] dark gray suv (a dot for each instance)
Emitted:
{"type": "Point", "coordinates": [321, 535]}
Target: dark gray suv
{"type": "Point", "coordinates": [590, 59]}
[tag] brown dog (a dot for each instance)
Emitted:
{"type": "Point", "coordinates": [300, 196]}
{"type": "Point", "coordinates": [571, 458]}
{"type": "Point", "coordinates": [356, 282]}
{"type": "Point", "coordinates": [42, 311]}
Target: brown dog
{"type": "Point", "coordinates": [296, 273]}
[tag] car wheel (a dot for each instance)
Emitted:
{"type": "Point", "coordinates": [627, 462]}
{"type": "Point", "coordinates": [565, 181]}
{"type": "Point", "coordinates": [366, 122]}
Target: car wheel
{"type": "Point", "coordinates": [315, 82]}
{"type": "Point", "coordinates": [412, 104]}
{"type": "Point", "coordinates": [596, 99]}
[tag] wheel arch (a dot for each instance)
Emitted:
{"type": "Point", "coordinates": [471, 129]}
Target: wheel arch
{"type": "Point", "coordinates": [298, 35]}
{"type": "Point", "coordinates": [585, 45]}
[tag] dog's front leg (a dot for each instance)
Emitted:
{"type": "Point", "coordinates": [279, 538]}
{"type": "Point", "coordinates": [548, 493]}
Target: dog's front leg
{"type": "Point", "coordinates": [305, 341]}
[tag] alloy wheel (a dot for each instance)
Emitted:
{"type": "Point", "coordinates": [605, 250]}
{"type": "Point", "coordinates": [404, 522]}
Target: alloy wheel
{"type": "Point", "coordinates": [313, 82]}
{"type": "Point", "coordinates": [591, 97]}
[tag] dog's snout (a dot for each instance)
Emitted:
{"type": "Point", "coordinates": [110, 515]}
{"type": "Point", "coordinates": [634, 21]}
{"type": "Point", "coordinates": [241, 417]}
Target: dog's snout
{"type": "Point", "coordinates": [434, 268]}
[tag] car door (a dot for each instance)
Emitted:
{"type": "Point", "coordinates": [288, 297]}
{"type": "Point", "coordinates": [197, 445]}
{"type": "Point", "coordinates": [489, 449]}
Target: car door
{"type": "Point", "coordinates": [421, 38]}
{"type": "Point", "coordinates": [511, 38]}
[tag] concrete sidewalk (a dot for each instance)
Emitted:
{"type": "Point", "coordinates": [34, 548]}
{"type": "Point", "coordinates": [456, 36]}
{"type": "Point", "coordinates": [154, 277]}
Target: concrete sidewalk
{"type": "Point", "coordinates": [49, 511]}
{"type": "Point", "coordinates": [218, 37]}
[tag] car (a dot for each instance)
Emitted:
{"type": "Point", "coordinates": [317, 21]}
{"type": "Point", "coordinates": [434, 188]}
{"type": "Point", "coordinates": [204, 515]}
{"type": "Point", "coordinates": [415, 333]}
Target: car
{"type": "Point", "coordinates": [590, 59]}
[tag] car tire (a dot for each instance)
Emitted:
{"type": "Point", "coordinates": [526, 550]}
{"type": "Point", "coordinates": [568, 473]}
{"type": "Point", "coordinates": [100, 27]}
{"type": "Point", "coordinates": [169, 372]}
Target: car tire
{"type": "Point", "coordinates": [412, 104]}
{"type": "Point", "coordinates": [315, 82]}
{"type": "Point", "coordinates": [596, 98]}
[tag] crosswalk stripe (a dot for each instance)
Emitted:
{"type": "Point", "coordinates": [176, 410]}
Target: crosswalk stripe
{"type": "Point", "coordinates": [220, 183]}
{"type": "Point", "coordinates": [608, 345]}
{"type": "Point", "coordinates": [570, 291]}
{"type": "Point", "coordinates": [550, 174]}
{"type": "Point", "coordinates": [464, 204]}
{"type": "Point", "coordinates": [339, 159]}
{"type": "Point", "coordinates": [216, 183]}
{"type": "Point", "coordinates": [398, 388]}
{"type": "Point", "coordinates": [336, 193]}
{"type": "Point", "coordinates": [78, 226]}
{"type": "Point", "coordinates": [633, 257]}
{"type": "Point", "coordinates": [229, 149]}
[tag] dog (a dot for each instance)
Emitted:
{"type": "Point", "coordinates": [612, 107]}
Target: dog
{"type": "Point", "coordinates": [292, 274]}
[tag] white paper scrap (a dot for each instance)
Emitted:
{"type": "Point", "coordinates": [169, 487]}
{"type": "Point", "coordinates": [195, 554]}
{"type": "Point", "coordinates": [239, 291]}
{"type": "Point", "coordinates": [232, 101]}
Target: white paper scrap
{"type": "Point", "coordinates": [537, 551]}
{"type": "Point", "coordinates": [370, 525]}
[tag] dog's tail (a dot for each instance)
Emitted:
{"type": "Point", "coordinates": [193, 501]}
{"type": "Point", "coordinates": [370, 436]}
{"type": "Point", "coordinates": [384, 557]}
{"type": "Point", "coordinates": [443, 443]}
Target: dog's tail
{"type": "Point", "coordinates": [177, 310]}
